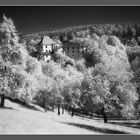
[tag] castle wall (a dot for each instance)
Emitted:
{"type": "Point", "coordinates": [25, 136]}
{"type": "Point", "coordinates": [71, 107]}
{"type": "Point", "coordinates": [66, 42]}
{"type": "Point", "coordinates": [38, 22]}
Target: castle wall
{"type": "Point", "coordinates": [47, 48]}
{"type": "Point", "coordinates": [74, 52]}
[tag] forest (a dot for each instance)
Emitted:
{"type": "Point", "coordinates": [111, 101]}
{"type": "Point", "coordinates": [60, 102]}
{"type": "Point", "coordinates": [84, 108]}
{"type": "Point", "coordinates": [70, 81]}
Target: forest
{"type": "Point", "coordinates": [104, 83]}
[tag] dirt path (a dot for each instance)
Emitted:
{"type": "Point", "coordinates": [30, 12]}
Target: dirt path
{"type": "Point", "coordinates": [20, 120]}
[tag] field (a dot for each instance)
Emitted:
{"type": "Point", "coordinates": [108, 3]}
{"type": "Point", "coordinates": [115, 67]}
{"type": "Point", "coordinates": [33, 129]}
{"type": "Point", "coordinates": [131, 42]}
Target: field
{"type": "Point", "coordinates": [18, 119]}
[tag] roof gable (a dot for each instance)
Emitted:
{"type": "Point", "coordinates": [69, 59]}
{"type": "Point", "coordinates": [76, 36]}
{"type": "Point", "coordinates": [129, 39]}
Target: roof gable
{"type": "Point", "coordinates": [46, 40]}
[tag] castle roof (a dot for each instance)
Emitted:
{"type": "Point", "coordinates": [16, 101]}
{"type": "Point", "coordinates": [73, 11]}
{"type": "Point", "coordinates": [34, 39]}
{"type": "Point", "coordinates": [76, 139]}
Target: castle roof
{"type": "Point", "coordinates": [57, 41]}
{"type": "Point", "coordinates": [46, 40]}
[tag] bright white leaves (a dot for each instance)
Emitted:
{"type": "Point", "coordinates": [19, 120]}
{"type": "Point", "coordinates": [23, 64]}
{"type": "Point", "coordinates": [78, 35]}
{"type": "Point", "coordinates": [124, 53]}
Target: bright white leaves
{"type": "Point", "coordinates": [109, 81]}
{"type": "Point", "coordinates": [23, 73]}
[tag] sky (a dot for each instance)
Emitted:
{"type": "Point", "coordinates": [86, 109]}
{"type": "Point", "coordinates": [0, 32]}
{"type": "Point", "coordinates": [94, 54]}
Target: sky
{"type": "Point", "coordinates": [30, 19]}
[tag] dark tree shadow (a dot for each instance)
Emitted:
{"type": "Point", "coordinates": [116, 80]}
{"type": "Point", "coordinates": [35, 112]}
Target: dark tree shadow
{"type": "Point", "coordinates": [22, 104]}
{"type": "Point", "coordinates": [128, 124]}
{"type": "Point", "coordinates": [30, 107]}
{"type": "Point", "coordinates": [49, 108]}
{"type": "Point", "coordinates": [96, 129]}
{"type": "Point", "coordinates": [5, 107]}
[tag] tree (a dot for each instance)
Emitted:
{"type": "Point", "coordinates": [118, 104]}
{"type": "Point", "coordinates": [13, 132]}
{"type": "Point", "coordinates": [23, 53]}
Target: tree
{"type": "Point", "coordinates": [62, 59]}
{"type": "Point", "coordinates": [44, 96]}
{"type": "Point", "coordinates": [13, 62]}
{"type": "Point", "coordinates": [80, 65]}
{"type": "Point", "coordinates": [4, 88]}
{"type": "Point", "coordinates": [105, 94]}
{"type": "Point", "coordinates": [9, 49]}
{"type": "Point", "coordinates": [107, 87]}
{"type": "Point", "coordinates": [95, 92]}
{"type": "Point", "coordinates": [71, 90]}
{"type": "Point", "coordinates": [56, 74]}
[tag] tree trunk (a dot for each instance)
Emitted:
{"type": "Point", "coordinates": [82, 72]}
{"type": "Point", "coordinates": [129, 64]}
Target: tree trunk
{"type": "Point", "coordinates": [45, 108]}
{"type": "Point", "coordinates": [63, 110]}
{"type": "Point", "coordinates": [91, 114]}
{"type": "Point", "coordinates": [52, 108]}
{"type": "Point", "coordinates": [58, 109]}
{"type": "Point", "coordinates": [2, 100]}
{"type": "Point", "coordinates": [72, 112]}
{"type": "Point", "coordinates": [104, 115]}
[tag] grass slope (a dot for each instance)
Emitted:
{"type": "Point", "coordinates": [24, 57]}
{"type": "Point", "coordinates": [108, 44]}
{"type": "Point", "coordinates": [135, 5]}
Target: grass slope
{"type": "Point", "coordinates": [18, 119]}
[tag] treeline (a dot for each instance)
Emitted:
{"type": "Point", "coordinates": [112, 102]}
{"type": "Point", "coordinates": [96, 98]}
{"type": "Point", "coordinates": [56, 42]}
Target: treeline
{"type": "Point", "coordinates": [128, 33]}
{"type": "Point", "coordinates": [103, 82]}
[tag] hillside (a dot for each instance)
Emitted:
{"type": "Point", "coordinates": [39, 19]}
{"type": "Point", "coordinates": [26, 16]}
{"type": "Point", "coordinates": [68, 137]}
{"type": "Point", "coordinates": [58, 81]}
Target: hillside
{"type": "Point", "coordinates": [128, 33]}
{"type": "Point", "coordinates": [104, 83]}
{"type": "Point", "coordinates": [17, 119]}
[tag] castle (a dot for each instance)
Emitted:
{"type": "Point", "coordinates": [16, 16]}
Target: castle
{"type": "Point", "coordinates": [48, 46]}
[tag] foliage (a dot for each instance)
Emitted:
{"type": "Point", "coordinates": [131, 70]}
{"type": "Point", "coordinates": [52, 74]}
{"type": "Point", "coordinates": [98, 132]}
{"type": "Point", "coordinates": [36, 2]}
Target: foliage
{"type": "Point", "coordinates": [18, 70]}
{"type": "Point", "coordinates": [63, 59]}
{"type": "Point", "coordinates": [103, 78]}
{"type": "Point", "coordinates": [125, 32]}
{"type": "Point", "coordinates": [108, 83]}
{"type": "Point", "coordinates": [102, 88]}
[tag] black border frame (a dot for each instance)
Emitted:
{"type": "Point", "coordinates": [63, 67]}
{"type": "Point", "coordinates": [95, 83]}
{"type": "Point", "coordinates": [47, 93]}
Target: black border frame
{"type": "Point", "coordinates": [69, 3]}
